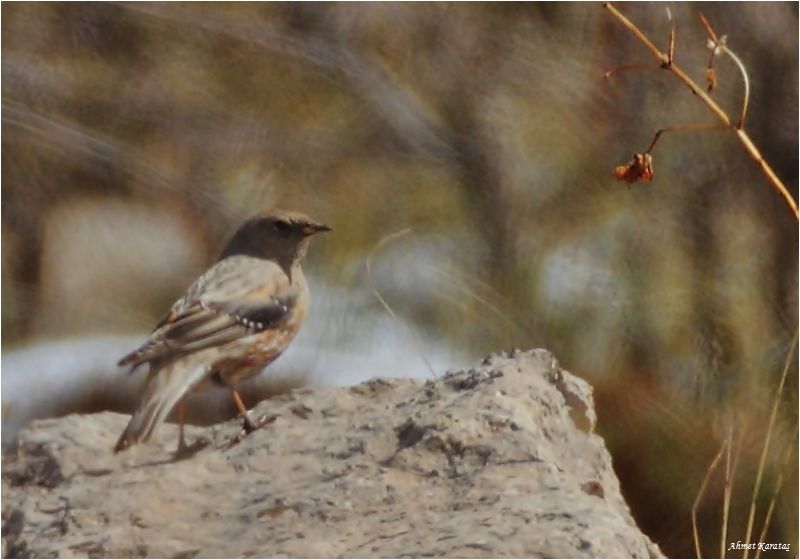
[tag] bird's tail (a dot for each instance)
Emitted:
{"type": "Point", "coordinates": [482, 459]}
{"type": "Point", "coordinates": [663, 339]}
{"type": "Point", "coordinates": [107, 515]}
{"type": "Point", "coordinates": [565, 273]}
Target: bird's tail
{"type": "Point", "coordinates": [164, 389]}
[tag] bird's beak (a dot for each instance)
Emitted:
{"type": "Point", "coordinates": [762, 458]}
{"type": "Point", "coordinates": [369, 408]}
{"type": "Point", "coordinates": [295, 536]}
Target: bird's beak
{"type": "Point", "coordinates": [311, 228]}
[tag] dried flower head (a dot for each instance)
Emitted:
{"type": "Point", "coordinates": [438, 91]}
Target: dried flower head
{"type": "Point", "coordinates": [639, 168]}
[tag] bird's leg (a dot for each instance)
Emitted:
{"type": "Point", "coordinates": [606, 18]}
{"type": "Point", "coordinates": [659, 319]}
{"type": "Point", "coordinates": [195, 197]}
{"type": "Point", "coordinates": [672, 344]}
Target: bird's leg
{"type": "Point", "coordinates": [185, 451]}
{"type": "Point", "coordinates": [182, 447]}
{"type": "Point", "coordinates": [249, 425]}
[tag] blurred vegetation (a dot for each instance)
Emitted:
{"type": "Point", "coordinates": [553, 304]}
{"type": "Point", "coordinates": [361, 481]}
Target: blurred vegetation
{"type": "Point", "coordinates": [136, 137]}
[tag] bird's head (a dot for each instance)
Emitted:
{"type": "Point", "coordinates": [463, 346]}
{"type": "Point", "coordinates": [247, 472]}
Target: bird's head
{"type": "Point", "coordinates": [276, 235]}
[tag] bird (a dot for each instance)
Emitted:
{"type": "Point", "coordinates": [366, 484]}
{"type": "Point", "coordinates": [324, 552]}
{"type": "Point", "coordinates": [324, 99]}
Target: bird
{"type": "Point", "coordinates": [232, 322]}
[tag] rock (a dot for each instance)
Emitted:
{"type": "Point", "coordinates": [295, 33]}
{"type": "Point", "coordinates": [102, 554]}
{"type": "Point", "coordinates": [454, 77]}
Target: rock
{"type": "Point", "coordinates": [480, 463]}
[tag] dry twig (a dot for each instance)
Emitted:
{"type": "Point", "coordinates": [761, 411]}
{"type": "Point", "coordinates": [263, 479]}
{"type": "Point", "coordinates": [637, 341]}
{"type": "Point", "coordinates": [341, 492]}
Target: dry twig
{"type": "Point", "coordinates": [680, 128]}
{"type": "Point", "coordinates": [718, 44]}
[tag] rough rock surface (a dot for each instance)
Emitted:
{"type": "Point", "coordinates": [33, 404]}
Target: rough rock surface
{"type": "Point", "coordinates": [497, 461]}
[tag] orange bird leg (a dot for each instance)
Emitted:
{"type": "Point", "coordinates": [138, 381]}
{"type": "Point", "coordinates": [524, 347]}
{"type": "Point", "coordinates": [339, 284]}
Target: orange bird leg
{"type": "Point", "coordinates": [249, 426]}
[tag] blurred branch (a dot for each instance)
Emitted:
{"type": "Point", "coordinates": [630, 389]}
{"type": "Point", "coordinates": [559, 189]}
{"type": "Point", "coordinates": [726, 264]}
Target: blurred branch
{"type": "Point", "coordinates": [668, 63]}
{"type": "Point", "coordinates": [415, 124]}
{"type": "Point", "coordinates": [395, 103]}
{"type": "Point", "coordinates": [70, 136]}
{"type": "Point", "coordinates": [459, 139]}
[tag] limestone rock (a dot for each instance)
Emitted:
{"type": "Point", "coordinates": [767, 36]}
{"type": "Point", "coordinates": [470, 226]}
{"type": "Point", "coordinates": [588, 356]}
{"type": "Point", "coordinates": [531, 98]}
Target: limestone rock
{"type": "Point", "coordinates": [487, 462]}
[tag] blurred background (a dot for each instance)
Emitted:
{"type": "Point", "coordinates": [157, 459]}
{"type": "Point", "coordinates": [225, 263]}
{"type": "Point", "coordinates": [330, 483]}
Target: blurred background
{"type": "Point", "coordinates": [136, 137]}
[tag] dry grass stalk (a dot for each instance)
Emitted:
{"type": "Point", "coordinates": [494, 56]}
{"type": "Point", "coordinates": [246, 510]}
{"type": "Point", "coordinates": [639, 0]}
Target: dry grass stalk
{"type": "Point", "coordinates": [787, 453]}
{"type": "Point", "coordinates": [383, 242]}
{"type": "Point", "coordinates": [768, 438]}
{"type": "Point", "coordinates": [730, 475]}
{"type": "Point", "coordinates": [700, 494]}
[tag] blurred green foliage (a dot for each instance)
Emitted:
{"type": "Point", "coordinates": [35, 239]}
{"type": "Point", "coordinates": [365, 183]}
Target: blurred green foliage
{"type": "Point", "coordinates": [486, 128]}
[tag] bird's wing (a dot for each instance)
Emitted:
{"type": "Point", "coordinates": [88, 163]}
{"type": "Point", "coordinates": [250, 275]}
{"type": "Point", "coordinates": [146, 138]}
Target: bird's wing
{"type": "Point", "coordinates": [237, 297]}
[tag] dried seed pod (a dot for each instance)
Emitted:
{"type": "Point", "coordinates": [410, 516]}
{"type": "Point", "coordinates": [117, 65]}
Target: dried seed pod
{"type": "Point", "coordinates": [711, 77]}
{"type": "Point", "coordinates": [639, 168]}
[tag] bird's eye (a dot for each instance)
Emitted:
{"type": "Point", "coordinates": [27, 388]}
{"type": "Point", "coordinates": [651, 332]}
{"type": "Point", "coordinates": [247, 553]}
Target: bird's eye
{"type": "Point", "coordinates": [283, 227]}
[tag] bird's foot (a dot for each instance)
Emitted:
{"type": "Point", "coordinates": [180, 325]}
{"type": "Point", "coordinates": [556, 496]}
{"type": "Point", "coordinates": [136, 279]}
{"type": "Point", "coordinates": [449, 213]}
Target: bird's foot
{"type": "Point", "coordinates": [247, 424]}
{"type": "Point", "coordinates": [248, 427]}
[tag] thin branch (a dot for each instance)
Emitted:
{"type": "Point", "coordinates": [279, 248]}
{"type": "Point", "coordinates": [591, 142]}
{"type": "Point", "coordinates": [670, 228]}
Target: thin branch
{"type": "Point", "coordinates": [743, 71]}
{"type": "Point", "coordinates": [637, 32]}
{"type": "Point", "coordinates": [743, 137]}
{"type": "Point", "coordinates": [681, 128]}
{"type": "Point", "coordinates": [628, 67]}
{"type": "Point", "coordinates": [711, 74]}
{"type": "Point", "coordinates": [708, 27]}
{"type": "Point", "coordinates": [720, 44]}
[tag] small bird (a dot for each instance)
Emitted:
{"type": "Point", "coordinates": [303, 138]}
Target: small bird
{"type": "Point", "coordinates": [231, 323]}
